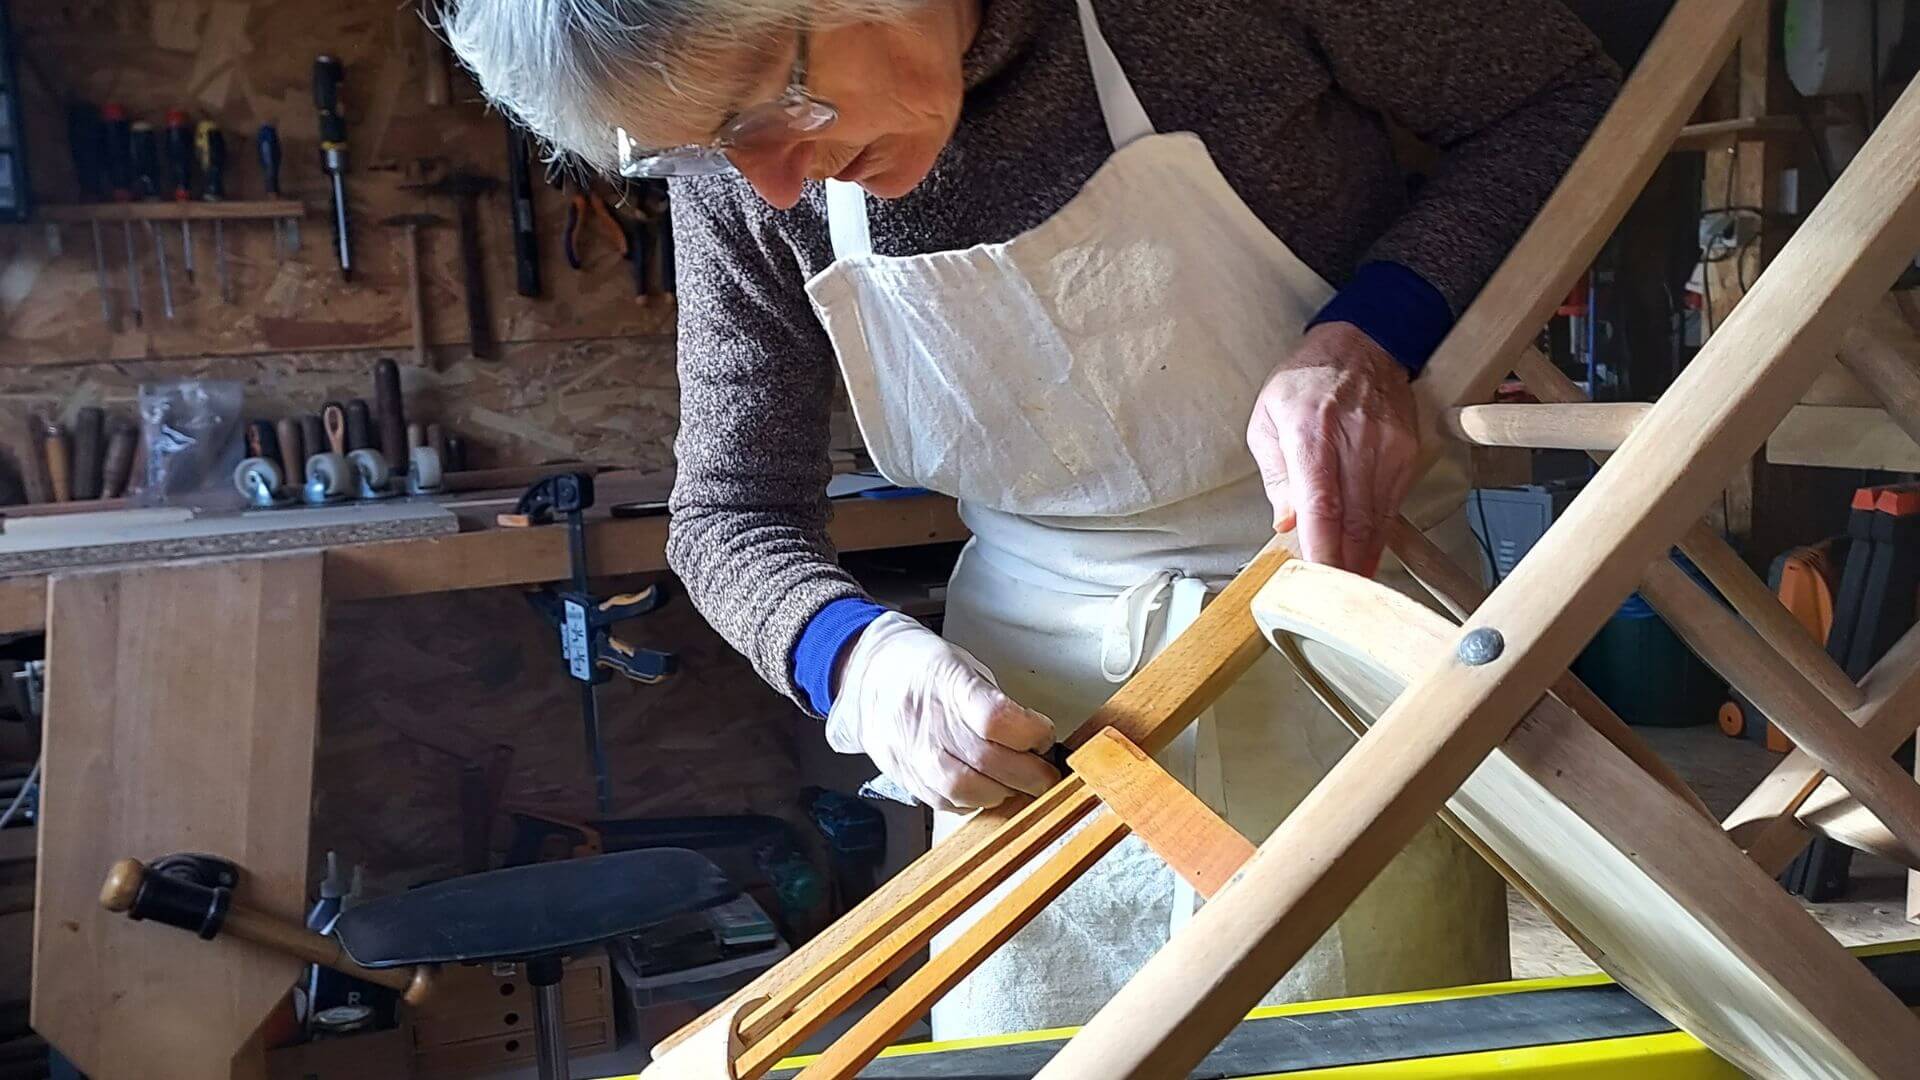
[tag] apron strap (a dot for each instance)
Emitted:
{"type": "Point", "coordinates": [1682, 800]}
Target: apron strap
{"type": "Point", "coordinates": [1126, 121]}
{"type": "Point", "coordinates": [1126, 117]}
{"type": "Point", "coordinates": [847, 219]}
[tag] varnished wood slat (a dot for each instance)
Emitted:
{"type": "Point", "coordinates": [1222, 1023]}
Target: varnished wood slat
{"type": "Point", "coordinates": [1153, 706]}
{"type": "Point", "coordinates": [1187, 835]}
{"type": "Point", "coordinates": [865, 1040]}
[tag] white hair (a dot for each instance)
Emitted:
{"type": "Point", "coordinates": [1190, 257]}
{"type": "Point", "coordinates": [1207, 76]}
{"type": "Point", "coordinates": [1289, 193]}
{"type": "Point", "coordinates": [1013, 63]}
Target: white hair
{"type": "Point", "coordinates": [571, 71]}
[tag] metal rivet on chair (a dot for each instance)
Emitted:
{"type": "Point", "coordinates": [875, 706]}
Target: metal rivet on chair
{"type": "Point", "coordinates": [1482, 646]}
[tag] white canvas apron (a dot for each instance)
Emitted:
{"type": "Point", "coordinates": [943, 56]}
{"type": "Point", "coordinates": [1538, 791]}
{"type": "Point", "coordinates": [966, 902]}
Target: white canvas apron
{"type": "Point", "coordinates": [1084, 391]}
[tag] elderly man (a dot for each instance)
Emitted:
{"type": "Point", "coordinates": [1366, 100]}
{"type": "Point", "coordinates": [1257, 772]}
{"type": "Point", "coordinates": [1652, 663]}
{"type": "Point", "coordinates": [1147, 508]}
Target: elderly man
{"type": "Point", "coordinates": [1140, 284]}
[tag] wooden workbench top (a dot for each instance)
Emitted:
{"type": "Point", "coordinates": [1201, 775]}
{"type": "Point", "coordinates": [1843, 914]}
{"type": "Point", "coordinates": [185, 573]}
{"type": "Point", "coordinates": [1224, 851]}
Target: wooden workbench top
{"type": "Point", "coordinates": [484, 555]}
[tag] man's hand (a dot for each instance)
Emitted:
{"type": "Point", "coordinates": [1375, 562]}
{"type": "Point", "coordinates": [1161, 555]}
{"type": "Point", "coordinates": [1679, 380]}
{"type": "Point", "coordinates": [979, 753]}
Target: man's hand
{"type": "Point", "coordinates": [1334, 434]}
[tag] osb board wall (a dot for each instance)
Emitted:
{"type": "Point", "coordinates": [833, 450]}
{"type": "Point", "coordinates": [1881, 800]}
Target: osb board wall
{"type": "Point", "coordinates": [597, 400]}
{"type": "Point", "coordinates": [401, 674]}
{"type": "Point", "coordinates": [243, 63]}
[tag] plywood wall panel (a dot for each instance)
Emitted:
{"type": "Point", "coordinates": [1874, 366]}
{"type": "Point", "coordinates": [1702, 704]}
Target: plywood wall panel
{"type": "Point", "coordinates": [248, 63]}
{"type": "Point", "coordinates": [611, 401]}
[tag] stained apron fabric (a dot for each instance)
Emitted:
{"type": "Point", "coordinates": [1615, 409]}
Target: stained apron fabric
{"type": "Point", "coordinates": [1084, 390]}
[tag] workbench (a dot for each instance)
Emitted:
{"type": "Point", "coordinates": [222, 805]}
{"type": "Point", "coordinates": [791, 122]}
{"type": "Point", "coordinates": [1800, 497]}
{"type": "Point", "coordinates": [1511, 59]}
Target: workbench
{"type": "Point", "coordinates": [1584, 1027]}
{"type": "Point", "coordinates": [181, 711]}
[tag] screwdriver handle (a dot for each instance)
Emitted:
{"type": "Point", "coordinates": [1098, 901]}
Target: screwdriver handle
{"type": "Point", "coordinates": [327, 77]}
{"type": "Point", "coordinates": [211, 148]}
{"type": "Point", "coordinates": [86, 139]}
{"type": "Point", "coordinates": [119, 152]}
{"type": "Point", "coordinates": [180, 155]}
{"type": "Point", "coordinates": [268, 144]}
{"type": "Point", "coordinates": [145, 147]}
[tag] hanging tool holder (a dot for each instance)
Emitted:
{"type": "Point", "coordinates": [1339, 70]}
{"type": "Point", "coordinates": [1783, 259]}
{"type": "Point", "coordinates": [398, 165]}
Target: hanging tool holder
{"type": "Point", "coordinates": [584, 621]}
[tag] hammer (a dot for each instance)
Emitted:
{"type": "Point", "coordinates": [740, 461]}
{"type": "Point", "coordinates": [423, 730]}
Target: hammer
{"type": "Point", "coordinates": [465, 188]}
{"type": "Point", "coordinates": [416, 285]}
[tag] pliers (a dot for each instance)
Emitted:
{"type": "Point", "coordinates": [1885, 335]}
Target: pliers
{"type": "Point", "coordinates": [586, 203]}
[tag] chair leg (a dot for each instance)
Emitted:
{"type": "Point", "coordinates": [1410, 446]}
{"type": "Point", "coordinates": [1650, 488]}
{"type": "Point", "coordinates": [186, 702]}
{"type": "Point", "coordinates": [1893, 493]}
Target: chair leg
{"type": "Point", "coordinates": [549, 1017]}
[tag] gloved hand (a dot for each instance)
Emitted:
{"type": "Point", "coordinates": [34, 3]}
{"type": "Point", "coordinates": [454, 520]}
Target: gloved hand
{"type": "Point", "coordinates": [932, 718]}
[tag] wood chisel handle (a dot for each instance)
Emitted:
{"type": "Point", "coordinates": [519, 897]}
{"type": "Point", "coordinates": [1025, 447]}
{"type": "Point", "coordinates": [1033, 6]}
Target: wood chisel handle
{"type": "Point", "coordinates": [57, 448]}
{"type": "Point", "coordinates": [333, 416]}
{"type": "Point", "coordinates": [89, 425]}
{"type": "Point", "coordinates": [416, 435]}
{"type": "Point", "coordinates": [119, 468]}
{"type": "Point", "coordinates": [313, 434]}
{"type": "Point", "coordinates": [261, 441]}
{"type": "Point", "coordinates": [293, 457]}
{"type": "Point", "coordinates": [390, 411]}
{"type": "Point", "coordinates": [359, 425]}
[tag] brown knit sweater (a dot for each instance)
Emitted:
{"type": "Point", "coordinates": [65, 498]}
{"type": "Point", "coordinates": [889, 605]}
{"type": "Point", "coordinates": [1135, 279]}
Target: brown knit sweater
{"type": "Point", "coordinates": [1290, 97]}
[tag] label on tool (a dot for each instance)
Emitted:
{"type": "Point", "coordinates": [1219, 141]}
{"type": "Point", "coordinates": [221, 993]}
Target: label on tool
{"type": "Point", "coordinates": [573, 641]}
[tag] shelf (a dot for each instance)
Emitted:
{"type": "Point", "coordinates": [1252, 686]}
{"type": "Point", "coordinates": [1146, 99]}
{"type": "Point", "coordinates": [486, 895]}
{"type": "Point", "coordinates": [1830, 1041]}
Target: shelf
{"type": "Point", "coordinates": [259, 210]}
{"type": "Point", "coordinates": [1715, 134]}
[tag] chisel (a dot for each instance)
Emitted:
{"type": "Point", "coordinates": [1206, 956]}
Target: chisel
{"type": "Point", "coordinates": [121, 446]}
{"type": "Point", "coordinates": [88, 424]}
{"type": "Point", "coordinates": [390, 412]}
{"type": "Point", "coordinates": [57, 450]}
{"type": "Point", "coordinates": [359, 425]}
{"type": "Point", "coordinates": [293, 451]}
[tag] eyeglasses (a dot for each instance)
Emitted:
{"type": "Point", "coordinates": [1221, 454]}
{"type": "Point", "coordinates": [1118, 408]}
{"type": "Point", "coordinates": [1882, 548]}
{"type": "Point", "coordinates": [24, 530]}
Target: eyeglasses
{"type": "Point", "coordinates": [795, 112]}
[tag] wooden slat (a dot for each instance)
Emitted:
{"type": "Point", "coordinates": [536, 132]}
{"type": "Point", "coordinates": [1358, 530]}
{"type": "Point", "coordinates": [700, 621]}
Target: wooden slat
{"type": "Point", "coordinates": [1843, 437]}
{"type": "Point", "coordinates": [865, 1040]}
{"type": "Point", "coordinates": [1589, 426]}
{"type": "Point", "coordinates": [1611, 171]}
{"type": "Point", "coordinates": [1186, 833]}
{"type": "Point", "coordinates": [772, 1036]}
{"type": "Point", "coordinates": [1814, 723]}
{"type": "Point", "coordinates": [1762, 609]}
{"type": "Point", "coordinates": [1764, 822]}
{"type": "Point", "coordinates": [1460, 594]}
{"type": "Point", "coordinates": [1657, 896]}
{"type": "Point", "coordinates": [1153, 706]}
{"type": "Point", "coordinates": [1749, 374]}
{"type": "Point", "coordinates": [1883, 353]}
{"type": "Point", "coordinates": [1718, 135]}
{"type": "Point", "coordinates": [181, 704]}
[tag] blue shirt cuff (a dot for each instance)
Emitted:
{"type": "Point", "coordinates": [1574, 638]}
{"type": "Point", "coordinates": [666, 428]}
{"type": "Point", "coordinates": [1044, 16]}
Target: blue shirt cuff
{"type": "Point", "coordinates": [818, 649]}
{"type": "Point", "coordinates": [1397, 308]}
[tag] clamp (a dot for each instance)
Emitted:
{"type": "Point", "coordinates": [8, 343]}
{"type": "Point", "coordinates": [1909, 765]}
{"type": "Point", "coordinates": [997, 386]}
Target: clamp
{"type": "Point", "coordinates": [584, 622]}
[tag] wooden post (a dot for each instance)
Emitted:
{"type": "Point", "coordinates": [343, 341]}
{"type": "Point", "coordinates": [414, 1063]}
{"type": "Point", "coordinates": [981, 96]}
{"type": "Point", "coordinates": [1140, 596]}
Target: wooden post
{"type": "Point", "coordinates": [181, 702]}
{"type": "Point", "coordinates": [1716, 414]}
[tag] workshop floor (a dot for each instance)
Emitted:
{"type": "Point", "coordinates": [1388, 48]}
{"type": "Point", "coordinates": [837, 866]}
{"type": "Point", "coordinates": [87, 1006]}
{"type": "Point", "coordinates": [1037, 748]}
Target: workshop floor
{"type": "Point", "coordinates": [1723, 770]}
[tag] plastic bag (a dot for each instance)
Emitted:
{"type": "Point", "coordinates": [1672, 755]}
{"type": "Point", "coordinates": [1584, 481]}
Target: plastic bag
{"type": "Point", "coordinates": [194, 437]}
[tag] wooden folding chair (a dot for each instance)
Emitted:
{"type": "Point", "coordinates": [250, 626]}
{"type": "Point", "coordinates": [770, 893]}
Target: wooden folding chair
{"type": "Point", "coordinates": [1566, 803]}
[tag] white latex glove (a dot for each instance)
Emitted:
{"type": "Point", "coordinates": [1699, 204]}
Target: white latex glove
{"type": "Point", "coordinates": [932, 718]}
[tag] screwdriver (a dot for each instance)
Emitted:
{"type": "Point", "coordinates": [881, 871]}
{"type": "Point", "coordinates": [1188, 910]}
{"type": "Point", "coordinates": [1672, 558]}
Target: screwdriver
{"type": "Point", "coordinates": [268, 143]}
{"type": "Point", "coordinates": [285, 233]}
{"type": "Point", "coordinates": [327, 77]}
{"type": "Point", "coordinates": [145, 148]}
{"type": "Point", "coordinates": [85, 137]}
{"type": "Point", "coordinates": [120, 177]}
{"type": "Point", "coordinates": [180, 173]}
{"type": "Point", "coordinates": [211, 146]}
